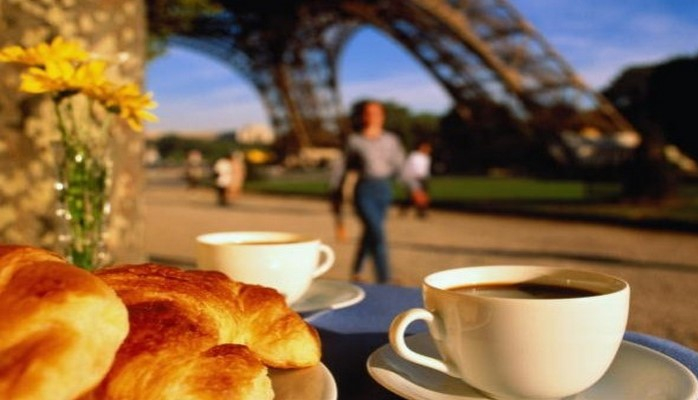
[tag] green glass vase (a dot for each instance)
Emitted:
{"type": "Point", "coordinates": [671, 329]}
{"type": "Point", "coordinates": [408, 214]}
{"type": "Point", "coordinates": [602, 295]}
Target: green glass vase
{"type": "Point", "coordinates": [83, 204]}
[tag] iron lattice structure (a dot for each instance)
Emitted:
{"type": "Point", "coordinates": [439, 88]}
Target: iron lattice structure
{"type": "Point", "coordinates": [475, 49]}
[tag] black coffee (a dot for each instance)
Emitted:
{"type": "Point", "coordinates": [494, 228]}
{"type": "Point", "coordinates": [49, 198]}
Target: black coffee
{"type": "Point", "coordinates": [525, 290]}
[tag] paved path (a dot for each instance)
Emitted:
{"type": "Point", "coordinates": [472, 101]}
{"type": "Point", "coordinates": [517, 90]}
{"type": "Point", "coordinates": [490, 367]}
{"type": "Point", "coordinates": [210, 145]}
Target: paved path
{"type": "Point", "coordinates": [661, 266]}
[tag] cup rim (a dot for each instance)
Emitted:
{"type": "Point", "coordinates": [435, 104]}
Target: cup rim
{"type": "Point", "coordinates": [612, 285]}
{"type": "Point", "coordinates": [254, 238]}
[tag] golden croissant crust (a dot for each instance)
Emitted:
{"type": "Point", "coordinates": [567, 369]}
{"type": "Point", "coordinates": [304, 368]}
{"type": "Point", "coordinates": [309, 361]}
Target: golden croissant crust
{"type": "Point", "coordinates": [199, 335]}
{"type": "Point", "coordinates": [60, 326]}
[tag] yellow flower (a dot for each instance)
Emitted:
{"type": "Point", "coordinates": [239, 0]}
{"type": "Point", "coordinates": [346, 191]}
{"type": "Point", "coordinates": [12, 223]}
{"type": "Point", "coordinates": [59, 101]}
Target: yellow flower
{"type": "Point", "coordinates": [58, 50]}
{"type": "Point", "coordinates": [58, 76]}
{"type": "Point", "coordinates": [14, 54]}
{"type": "Point", "coordinates": [89, 75]}
{"type": "Point", "coordinates": [131, 105]}
{"type": "Point", "coordinates": [55, 77]}
{"type": "Point", "coordinates": [63, 69]}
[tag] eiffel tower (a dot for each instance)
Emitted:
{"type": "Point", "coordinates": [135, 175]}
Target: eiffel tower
{"type": "Point", "coordinates": [474, 49]}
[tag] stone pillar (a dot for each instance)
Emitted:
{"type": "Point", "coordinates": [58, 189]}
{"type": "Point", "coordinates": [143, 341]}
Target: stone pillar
{"type": "Point", "coordinates": [117, 31]}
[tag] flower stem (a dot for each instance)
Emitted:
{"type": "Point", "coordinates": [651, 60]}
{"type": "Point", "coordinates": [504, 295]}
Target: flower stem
{"type": "Point", "coordinates": [83, 170]}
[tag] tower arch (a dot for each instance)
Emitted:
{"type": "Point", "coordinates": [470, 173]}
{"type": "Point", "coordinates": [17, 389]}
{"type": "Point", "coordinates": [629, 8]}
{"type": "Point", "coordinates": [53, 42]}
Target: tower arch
{"type": "Point", "coordinates": [473, 48]}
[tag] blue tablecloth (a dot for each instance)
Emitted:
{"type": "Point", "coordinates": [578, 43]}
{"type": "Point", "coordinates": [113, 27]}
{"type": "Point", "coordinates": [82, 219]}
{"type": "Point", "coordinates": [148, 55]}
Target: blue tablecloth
{"type": "Point", "coordinates": [351, 334]}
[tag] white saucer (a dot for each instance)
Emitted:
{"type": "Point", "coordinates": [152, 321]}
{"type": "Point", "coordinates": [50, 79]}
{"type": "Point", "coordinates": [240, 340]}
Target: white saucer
{"type": "Point", "coordinates": [328, 294]}
{"type": "Point", "coordinates": [638, 373]}
{"type": "Point", "coordinates": [314, 383]}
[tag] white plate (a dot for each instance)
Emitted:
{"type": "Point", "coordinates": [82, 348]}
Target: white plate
{"type": "Point", "coordinates": [637, 373]}
{"type": "Point", "coordinates": [328, 294]}
{"type": "Point", "coordinates": [314, 383]}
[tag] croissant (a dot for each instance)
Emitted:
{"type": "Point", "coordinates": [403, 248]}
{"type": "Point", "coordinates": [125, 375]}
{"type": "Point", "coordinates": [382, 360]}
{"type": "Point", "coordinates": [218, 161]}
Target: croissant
{"type": "Point", "coordinates": [60, 326]}
{"type": "Point", "coordinates": [199, 335]}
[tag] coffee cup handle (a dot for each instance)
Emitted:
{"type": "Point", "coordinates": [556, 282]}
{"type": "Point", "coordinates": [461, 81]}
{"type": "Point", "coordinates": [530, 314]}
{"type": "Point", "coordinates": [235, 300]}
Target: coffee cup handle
{"type": "Point", "coordinates": [329, 260]}
{"type": "Point", "coordinates": [397, 339]}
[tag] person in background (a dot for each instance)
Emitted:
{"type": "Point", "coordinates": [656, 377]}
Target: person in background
{"type": "Point", "coordinates": [377, 156]}
{"type": "Point", "coordinates": [238, 172]}
{"type": "Point", "coordinates": [223, 174]}
{"type": "Point", "coordinates": [415, 177]}
{"type": "Point", "coordinates": [194, 171]}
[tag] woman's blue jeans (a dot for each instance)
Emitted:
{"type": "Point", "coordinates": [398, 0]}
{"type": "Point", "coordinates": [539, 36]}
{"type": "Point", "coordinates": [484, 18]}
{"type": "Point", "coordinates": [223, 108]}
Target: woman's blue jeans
{"type": "Point", "coordinates": [372, 199]}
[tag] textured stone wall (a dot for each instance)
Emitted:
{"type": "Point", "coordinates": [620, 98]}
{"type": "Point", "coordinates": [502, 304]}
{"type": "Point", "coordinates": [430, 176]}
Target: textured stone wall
{"type": "Point", "coordinates": [114, 29]}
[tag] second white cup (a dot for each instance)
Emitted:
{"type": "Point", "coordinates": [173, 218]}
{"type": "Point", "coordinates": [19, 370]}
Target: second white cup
{"type": "Point", "coordinates": [520, 332]}
{"type": "Point", "coordinates": [285, 261]}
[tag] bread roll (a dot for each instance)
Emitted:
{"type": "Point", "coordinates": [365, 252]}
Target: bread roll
{"type": "Point", "coordinates": [199, 335]}
{"type": "Point", "coordinates": [60, 326]}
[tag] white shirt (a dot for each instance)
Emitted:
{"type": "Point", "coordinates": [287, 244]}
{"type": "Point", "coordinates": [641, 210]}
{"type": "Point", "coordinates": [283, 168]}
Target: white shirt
{"type": "Point", "coordinates": [224, 172]}
{"type": "Point", "coordinates": [378, 158]}
{"type": "Point", "coordinates": [417, 167]}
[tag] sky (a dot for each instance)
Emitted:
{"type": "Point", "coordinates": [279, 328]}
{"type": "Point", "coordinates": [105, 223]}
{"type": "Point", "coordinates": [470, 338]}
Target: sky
{"type": "Point", "coordinates": [597, 38]}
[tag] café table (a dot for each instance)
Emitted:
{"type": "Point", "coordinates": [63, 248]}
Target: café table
{"type": "Point", "coordinates": [350, 335]}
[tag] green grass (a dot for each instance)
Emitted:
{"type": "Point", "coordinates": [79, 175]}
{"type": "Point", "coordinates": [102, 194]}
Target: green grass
{"type": "Point", "coordinates": [480, 188]}
{"type": "Point", "coordinates": [553, 198]}
{"type": "Point", "coordinates": [454, 189]}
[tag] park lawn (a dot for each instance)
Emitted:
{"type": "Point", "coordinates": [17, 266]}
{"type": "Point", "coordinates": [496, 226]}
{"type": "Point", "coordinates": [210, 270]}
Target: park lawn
{"type": "Point", "coordinates": [509, 189]}
{"type": "Point", "coordinates": [527, 196]}
{"type": "Point", "coordinates": [450, 188]}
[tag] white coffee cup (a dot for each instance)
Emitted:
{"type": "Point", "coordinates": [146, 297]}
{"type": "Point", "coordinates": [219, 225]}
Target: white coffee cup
{"type": "Point", "coordinates": [285, 261]}
{"type": "Point", "coordinates": [519, 348]}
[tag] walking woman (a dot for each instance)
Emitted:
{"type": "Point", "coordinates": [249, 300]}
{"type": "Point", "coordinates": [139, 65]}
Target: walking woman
{"type": "Point", "coordinates": [377, 155]}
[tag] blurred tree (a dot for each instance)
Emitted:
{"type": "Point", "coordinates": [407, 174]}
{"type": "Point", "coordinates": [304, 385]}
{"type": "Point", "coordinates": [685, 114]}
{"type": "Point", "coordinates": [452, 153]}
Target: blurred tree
{"type": "Point", "coordinates": [174, 148]}
{"type": "Point", "coordinates": [454, 146]}
{"type": "Point", "coordinates": [398, 120]}
{"type": "Point", "coordinates": [656, 100]}
{"type": "Point", "coordinates": [671, 92]}
{"type": "Point", "coordinates": [166, 17]}
{"type": "Point", "coordinates": [489, 136]}
{"type": "Point", "coordinates": [424, 126]}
